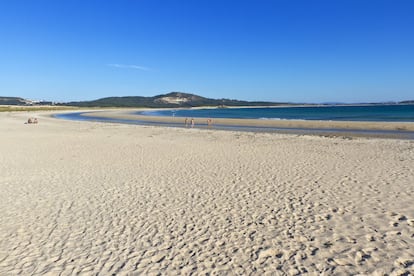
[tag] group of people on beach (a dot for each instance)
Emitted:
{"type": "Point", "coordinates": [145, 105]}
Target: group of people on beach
{"type": "Point", "coordinates": [191, 122]}
{"type": "Point", "coordinates": [32, 120]}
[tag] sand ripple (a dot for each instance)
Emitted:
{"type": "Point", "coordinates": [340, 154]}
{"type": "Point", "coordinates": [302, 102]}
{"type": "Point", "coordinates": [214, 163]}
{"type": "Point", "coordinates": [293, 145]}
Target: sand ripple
{"type": "Point", "coordinates": [90, 198]}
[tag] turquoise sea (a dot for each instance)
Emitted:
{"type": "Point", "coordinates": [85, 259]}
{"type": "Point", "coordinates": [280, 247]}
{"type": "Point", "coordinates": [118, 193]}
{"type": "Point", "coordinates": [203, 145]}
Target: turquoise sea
{"type": "Point", "coordinates": [381, 113]}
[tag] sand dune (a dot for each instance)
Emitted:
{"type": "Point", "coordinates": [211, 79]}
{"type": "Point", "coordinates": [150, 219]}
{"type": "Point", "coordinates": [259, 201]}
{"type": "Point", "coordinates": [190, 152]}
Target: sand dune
{"type": "Point", "coordinates": [96, 198]}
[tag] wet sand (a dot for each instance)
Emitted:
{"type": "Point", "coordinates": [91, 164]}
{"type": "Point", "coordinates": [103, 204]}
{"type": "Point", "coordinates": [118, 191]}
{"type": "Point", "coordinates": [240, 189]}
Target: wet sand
{"type": "Point", "coordinates": [129, 115]}
{"type": "Point", "coordinates": [90, 197]}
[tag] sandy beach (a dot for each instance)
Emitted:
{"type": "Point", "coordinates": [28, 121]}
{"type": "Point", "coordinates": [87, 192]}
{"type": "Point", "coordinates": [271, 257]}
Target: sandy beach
{"type": "Point", "coordinates": [95, 198]}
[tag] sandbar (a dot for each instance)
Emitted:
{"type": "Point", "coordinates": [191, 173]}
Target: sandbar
{"type": "Point", "coordinates": [310, 124]}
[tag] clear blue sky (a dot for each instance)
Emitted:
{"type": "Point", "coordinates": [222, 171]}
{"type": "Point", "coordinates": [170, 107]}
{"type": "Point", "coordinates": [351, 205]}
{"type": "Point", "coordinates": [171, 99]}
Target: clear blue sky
{"type": "Point", "coordinates": [280, 50]}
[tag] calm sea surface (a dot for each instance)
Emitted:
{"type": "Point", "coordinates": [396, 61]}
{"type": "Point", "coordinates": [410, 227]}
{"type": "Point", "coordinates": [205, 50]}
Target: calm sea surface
{"type": "Point", "coordinates": [385, 113]}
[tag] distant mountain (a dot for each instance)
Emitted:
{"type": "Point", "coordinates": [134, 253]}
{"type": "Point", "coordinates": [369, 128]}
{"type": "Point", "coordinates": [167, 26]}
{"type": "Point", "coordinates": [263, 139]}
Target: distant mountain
{"type": "Point", "coordinates": [12, 101]}
{"type": "Point", "coordinates": [171, 100]}
{"type": "Point", "coordinates": [21, 101]}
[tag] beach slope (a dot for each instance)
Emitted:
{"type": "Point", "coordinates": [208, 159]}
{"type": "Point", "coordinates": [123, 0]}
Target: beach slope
{"type": "Point", "coordinates": [102, 198]}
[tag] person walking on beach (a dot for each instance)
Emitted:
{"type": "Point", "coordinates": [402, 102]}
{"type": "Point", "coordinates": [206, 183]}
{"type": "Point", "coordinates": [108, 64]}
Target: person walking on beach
{"type": "Point", "coordinates": [192, 122]}
{"type": "Point", "coordinates": [209, 122]}
{"type": "Point", "coordinates": [186, 122]}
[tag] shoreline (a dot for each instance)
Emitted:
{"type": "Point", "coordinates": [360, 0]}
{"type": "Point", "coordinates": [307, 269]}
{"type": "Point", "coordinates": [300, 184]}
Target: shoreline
{"type": "Point", "coordinates": [399, 130]}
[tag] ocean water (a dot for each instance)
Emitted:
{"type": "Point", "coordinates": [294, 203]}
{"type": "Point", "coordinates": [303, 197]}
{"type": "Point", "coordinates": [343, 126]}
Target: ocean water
{"type": "Point", "coordinates": [374, 113]}
{"type": "Point", "coordinates": [401, 134]}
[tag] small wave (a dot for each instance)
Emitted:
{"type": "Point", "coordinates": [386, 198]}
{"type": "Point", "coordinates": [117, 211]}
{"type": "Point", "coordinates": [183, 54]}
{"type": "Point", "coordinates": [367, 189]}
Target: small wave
{"type": "Point", "coordinates": [284, 119]}
{"type": "Point", "coordinates": [273, 119]}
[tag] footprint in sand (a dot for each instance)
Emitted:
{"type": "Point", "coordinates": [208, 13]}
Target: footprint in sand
{"type": "Point", "coordinates": [404, 262]}
{"type": "Point", "coordinates": [269, 252]}
{"type": "Point", "coordinates": [361, 256]}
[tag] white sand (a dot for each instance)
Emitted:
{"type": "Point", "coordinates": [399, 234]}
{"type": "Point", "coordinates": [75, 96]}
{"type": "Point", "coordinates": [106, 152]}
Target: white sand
{"type": "Point", "coordinates": [83, 197]}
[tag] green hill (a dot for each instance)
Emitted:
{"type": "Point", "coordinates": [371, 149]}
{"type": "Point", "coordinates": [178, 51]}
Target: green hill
{"type": "Point", "coordinates": [170, 100]}
{"type": "Point", "coordinates": [12, 101]}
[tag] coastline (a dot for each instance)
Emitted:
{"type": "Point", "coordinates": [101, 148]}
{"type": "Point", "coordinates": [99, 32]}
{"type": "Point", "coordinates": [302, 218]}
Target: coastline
{"type": "Point", "coordinates": [124, 114]}
{"type": "Point", "coordinates": [402, 130]}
